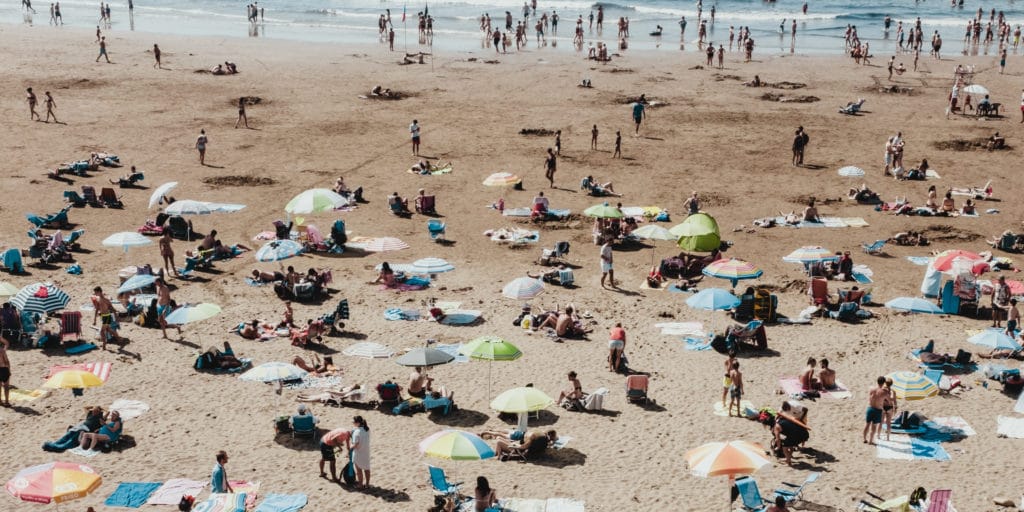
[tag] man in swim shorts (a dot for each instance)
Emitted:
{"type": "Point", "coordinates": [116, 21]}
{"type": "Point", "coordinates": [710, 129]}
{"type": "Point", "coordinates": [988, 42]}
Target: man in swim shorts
{"type": "Point", "coordinates": [873, 415]}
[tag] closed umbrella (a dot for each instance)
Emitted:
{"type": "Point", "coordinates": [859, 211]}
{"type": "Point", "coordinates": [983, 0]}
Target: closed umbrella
{"type": "Point", "coordinates": [732, 269]}
{"type": "Point", "coordinates": [160, 192]}
{"type": "Point", "coordinates": [523, 288]}
{"type": "Point", "coordinates": [315, 200]}
{"type": "Point", "coordinates": [7, 290]}
{"type": "Point", "coordinates": [913, 386]}
{"type": "Point", "coordinates": [278, 250]}
{"type": "Point", "coordinates": [368, 350]}
{"type": "Point", "coordinates": [425, 357]}
{"type": "Point", "coordinates": [851, 172]}
{"type": "Point", "coordinates": [431, 266]}
{"type": "Point", "coordinates": [126, 240]}
{"type": "Point", "coordinates": [995, 339]}
{"type": "Point", "coordinates": [274, 372]}
{"type": "Point", "coordinates": [502, 179]}
{"type": "Point", "coordinates": [385, 244]}
{"type": "Point", "coordinates": [490, 348]}
{"type": "Point", "coordinates": [136, 282]}
{"type": "Point", "coordinates": [603, 211]}
{"type": "Point", "coordinates": [54, 482]}
{"type": "Point", "coordinates": [40, 298]}
{"type": "Point", "coordinates": [726, 459]}
{"type": "Point", "coordinates": [456, 445]}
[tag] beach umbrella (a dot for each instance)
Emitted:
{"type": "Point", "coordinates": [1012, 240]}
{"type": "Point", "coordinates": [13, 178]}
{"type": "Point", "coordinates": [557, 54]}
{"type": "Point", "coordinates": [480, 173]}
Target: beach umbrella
{"type": "Point", "coordinates": [490, 348]}
{"type": "Point", "coordinates": [368, 350]}
{"type": "Point", "coordinates": [54, 482]}
{"type": "Point", "coordinates": [654, 232]}
{"type": "Point", "coordinates": [40, 298]}
{"type": "Point", "coordinates": [502, 179]}
{"type": "Point", "coordinates": [224, 207]}
{"type": "Point", "coordinates": [523, 288]}
{"type": "Point", "coordinates": [160, 192]}
{"type": "Point", "coordinates": [732, 269]}
{"type": "Point", "coordinates": [426, 357]}
{"type": "Point", "coordinates": [995, 339]}
{"type": "Point", "coordinates": [603, 211]}
{"type": "Point", "coordinates": [274, 372]}
{"type": "Point", "coordinates": [851, 172]}
{"type": "Point", "coordinates": [698, 233]}
{"type": "Point", "coordinates": [73, 379]}
{"type": "Point", "coordinates": [976, 89]}
{"type": "Point", "coordinates": [712, 299]}
{"type": "Point", "coordinates": [945, 259]}
{"type": "Point", "coordinates": [136, 282]}
{"type": "Point", "coordinates": [126, 240]}
{"type": "Point", "coordinates": [809, 254]}
{"type": "Point", "coordinates": [912, 385]}
{"type": "Point", "coordinates": [726, 459]}
{"type": "Point", "coordinates": [913, 305]}
{"type": "Point", "coordinates": [7, 290]}
{"type": "Point", "coordinates": [385, 244]}
{"type": "Point", "coordinates": [189, 207]}
{"type": "Point", "coordinates": [279, 250]}
{"type": "Point", "coordinates": [192, 313]}
{"type": "Point", "coordinates": [431, 266]}
{"type": "Point", "coordinates": [315, 200]}
{"type": "Point", "coordinates": [454, 444]}
{"type": "Point", "coordinates": [521, 400]}
{"type": "Point", "coordinates": [1016, 288]}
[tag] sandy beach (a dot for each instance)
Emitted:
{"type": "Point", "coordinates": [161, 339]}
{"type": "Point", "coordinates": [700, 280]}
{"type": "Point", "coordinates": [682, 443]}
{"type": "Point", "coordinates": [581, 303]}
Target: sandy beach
{"type": "Point", "coordinates": [706, 133]}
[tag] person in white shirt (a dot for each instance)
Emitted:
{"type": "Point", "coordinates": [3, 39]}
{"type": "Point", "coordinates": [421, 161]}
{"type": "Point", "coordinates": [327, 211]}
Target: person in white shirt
{"type": "Point", "coordinates": [606, 263]}
{"type": "Point", "coordinates": [414, 131]}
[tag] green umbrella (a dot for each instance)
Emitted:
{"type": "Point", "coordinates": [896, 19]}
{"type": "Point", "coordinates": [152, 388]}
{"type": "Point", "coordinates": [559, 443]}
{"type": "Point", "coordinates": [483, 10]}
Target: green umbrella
{"type": "Point", "coordinates": [490, 348]}
{"type": "Point", "coordinates": [698, 233]}
{"type": "Point", "coordinates": [603, 211]}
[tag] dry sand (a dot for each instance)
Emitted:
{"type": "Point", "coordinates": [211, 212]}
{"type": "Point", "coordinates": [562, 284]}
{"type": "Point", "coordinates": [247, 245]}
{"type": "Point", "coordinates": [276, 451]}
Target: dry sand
{"type": "Point", "coordinates": [714, 136]}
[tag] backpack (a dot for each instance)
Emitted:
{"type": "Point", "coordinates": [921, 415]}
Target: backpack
{"type": "Point", "coordinates": [348, 473]}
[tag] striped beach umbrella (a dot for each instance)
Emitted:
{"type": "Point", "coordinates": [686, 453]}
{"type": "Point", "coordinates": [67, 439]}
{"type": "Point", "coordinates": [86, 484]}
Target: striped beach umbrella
{"type": "Point", "coordinates": [126, 240]}
{"type": "Point", "coordinates": [368, 350]}
{"type": "Point", "coordinates": [502, 179]}
{"type": "Point", "coordinates": [40, 298]}
{"type": "Point", "coordinates": [385, 244]}
{"type": "Point", "coordinates": [732, 269]}
{"type": "Point", "coordinates": [278, 250]}
{"type": "Point", "coordinates": [809, 254]}
{"type": "Point", "coordinates": [454, 444]}
{"type": "Point", "coordinates": [851, 172]}
{"type": "Point", "coordinates": [54, 482]}
{"type": "Point", "coordinates": [315, 200]}
{"type": "Point", "coordinates": [431, 266]}
{"type": "Point", "coordinates": [726, 458]}
{"type": "Point", "coordinates": [913, 386]}
{"type": "Point", "coordinates": [519, 400]}
{"type": "Point", "coordinates": [523, 288]}
{"type": "Point", "coordinates": [188, 207]}
{"type": "Point", "coordinates": [603, 211]}
{"type": "Point", "coordinates": [274, 372]}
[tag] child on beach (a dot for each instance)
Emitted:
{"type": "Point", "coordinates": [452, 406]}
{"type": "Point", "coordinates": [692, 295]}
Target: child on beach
{"type": "Point", "coordinates": [735, 388]}
{"type": "Point", "coordinates": [727, 379]}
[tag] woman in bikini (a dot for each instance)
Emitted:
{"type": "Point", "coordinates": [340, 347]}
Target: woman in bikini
{"type": "Point", "coordinates": [888, 408]}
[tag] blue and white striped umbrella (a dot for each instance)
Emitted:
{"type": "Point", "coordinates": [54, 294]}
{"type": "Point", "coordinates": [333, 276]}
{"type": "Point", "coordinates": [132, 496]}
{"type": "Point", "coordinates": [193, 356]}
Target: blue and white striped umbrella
{"type": "Point", "coordinates": [273, 372]}
{"type": "Point", "coordinates": [278, 250]}
{"type": "Point", "coordinates": [137, 281]}
{"type": "Point", "coordinates": [851, 172]}
{"type": "Point", "coordinates": [431, 266]}
{"type": "Point", "coordinates": [40, 298]}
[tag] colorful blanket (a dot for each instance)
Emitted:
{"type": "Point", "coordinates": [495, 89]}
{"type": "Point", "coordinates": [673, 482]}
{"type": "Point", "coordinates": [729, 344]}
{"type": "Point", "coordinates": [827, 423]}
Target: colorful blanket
{"type": "Point", "coordinates": [282, 503]}
{"type": "Point", "coordinates": [101, 370]}
{"type": "Point", "coordinates": [171, 492]}
{"type": "Point", "coordinates": [131, 494]}
{"type": "Point", "coordinates": [222, 503]}
{"type": "Point", "coordinates": [249, 489]}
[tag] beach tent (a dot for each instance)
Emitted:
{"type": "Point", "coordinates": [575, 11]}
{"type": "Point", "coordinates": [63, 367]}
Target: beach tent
{"type": "Point", "coordinates": [698, 233]}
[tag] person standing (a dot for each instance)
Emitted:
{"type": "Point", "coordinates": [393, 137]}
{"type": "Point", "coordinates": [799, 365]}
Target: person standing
{"type": "Point", "coordinates": [735, 389]}
{"type": "Point", "coordinates": [103, 48]}
{"type": "Point", "coordinates": [727, 375]}
{"type": "Point", "coordinates": [607, 270]}
{"type": "Point", "coordinates": [241, 113]}
{"type": "Point", "coordinates": [618, 135]}
{"type": "Point", "coordinates": [1000, 301]}
{"type": "Point", "coordinates": [558, 142]}
{"type": "Point", "coordinates": [30, 97]}
{"type": "Point", "coordinates": [414, 132]}
{"type": "Point", "coordinates": [56, 13]}
{"type": "Point", "coordinates": [798, 146]}
{"type": "Point", "coordinates": [593, 137]}
{"type": "Point", "coordinates": [5, 373]}
{"type": "Point", "coordinates": [201, 142]}
{"type": "Point", "coordinates": [616, 346]}
{"type": "Point", "coordinates": [692, 204]}
{"type": "Point", "coordinates": [53, 19]}
{"type": "Point", "coordinates": [50, 105]}
{"type": "Point", "coordinates": [873, 414]}
{"type": "Point", "coordinates": [550, 166]}
{"type": "Point", "coordinates": [156, 55]}
{"type": "Point", "coordinates": [361, 451]}
{"type": "Point", "coordinates": [338, 438]}
{"type": "Point", "coordinates": [163, 305]}
{"type": "Point", "coordinates": [167, 252]}
{"type": "Point", "coordinates": [639, 114]}
{"type": "Point", "coordinates": [105, 311]}
{"type": "Point", "coordinates": [391, 39]}
{"type": "Point", "coordinates": [1002, 61]}
{"type": "Point", "coordinates": [1012, 319]}
{"type": "Point", "coordinates": [219, 476]}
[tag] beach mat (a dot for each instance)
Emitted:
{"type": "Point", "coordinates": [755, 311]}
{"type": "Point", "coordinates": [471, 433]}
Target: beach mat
{"type": "Point", "coordinates": [453, 350]}
{"type": "Point", "coordinates": [791, 386]}
{"type": "Point", "coordinates": [904, 447]}
{"type": "Point", "coordinates": [129, 409]}
{"type": "Point", "coordinates": [26, 395]}
{"type": "Point", "coordinates": [697, 343]}
{"type": "Point", "coordinates": [249, 489]}
{"type": "Point", "coordinates": [1010, 427]}
{"type": "Point", "coordinates": [919, 260]}
{"type": "Point", "coordinates": [171, 492]}
{"type": "Point", "coordinates": [131, 494]}
{"type": "Point", "coordinates": [282, 503]}
{"type": "Point", "coordinates": [954, 426]}
{"type": "Point", "coordinates": [222, 503]}
{"type": "Point", "coordinates": [523, 505]}
{"type": "Point", "coordinates": [526, 212]}
{"type": "Point", "coordinates": [680, 328]}
{"type": "Point", "coordinates": [311, 382]}
{"type": "Point", "coordinates": [746, 406]}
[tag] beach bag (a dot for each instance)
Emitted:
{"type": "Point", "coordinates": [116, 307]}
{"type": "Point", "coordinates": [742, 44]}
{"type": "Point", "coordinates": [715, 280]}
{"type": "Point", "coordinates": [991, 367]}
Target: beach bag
{"type": "Point", "coordinates": [662, 217]}
{"type": "Point", "coordinates": [348, 473]}
{"type": "Point", "coordinates": [185, 505]}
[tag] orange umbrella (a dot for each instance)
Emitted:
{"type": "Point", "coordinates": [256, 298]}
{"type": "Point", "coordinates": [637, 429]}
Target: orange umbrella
{"type": "Point", "coordinates": [730, 458]}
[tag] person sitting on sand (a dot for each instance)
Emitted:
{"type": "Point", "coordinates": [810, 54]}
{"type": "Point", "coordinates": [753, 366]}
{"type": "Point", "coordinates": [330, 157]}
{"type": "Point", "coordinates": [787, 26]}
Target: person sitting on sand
{"type": "Point", "coordinates": [756, 82]}
{"type": "Point", "coordinates": [969, 208]}
{"type": "Point", "coordinates": [863, 194]}
{"type": "Point", "coordinates": [502, 448]}
{"type": "Point", "coordinates": [598, 189]}
{"type": "Point", "coordinates": [826, 375]}
{"type": "Point", "coordinates": [230, 67]}
{"type": "Point", "coordinates": [340, 188]}
{"type": "Point", "coordinates": [810, 213]}
{"type": "Point", "coordinates": [933, 198]}
{"type": "Point", "coordinates": [948, 204]}
{"type": "Point", "coordinates": [575, 392]}
{"type": "Point", "coordinates": [568, 325]}
{"type": "Point", "coordinates": [900, 69]}
{"type": "Point", "coordinates": [266, 277]}
{"type": "Point", "coordinates": [380, 91]}
{"type": "Point", "coordinates": [807, 380]}
{"type": "Point", "coordinates": [385, 276]}
{"type": "Point", "coordinates": [996, 141]}
{"type": "Point", "coordinates": [108, 433]}
{"type": "Point", "coordinates": [591, 52]}
{"type": "Point", "coordinates": [218, 70]}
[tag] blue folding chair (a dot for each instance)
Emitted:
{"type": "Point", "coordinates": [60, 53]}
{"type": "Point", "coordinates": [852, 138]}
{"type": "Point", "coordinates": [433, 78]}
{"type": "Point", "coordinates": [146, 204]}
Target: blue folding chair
{"type": "Point", "coordinates": [304, 426]}
{"type": "Point", "coordinates": [436, 229]}
{"type": "Point", "coordinates": [750, 494]}
{"type": "Point", "coordinates": [794, 494]}
{"type": "Point", "coordinates": [874, 248]}
{"type": "Point", "coordinates": [441, 486]}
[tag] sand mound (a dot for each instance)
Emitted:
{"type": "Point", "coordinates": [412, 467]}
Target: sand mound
{"type": "Point", "coordinates": [941, 232]}
{"type": "Point", "coordinates": [714, 199]}
{"type": "Point", "coordinates": [977, 144]}
{"type": "Point", "coordinates": [787, 85]}
{"type": "Point", "coordinates": [78, 83]}
{"type": "Point", "coordinates": [803, 199]}
{"type": "Point", "coordinates": [536, 132]}
{"type": "Point", "coordinates": [894, 89]}
{"type": "Point", "coordinates": [249, 100]}
{"type": "Point", "coordinates": [782, 98]}
{"type": "Point", "coordinates": [238, 181]}
{"type": "Point", "coordinates": [720, 77]}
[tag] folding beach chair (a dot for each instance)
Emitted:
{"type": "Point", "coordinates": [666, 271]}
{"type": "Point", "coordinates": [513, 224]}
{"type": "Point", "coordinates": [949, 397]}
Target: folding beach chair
{"type": "Point", "coordinates": [750, 495]}
{"type": "Point", "coordinates": [794, 494]}
{"type": "Point", "coordinates": [436, 229]}
{"type": "Point", "coordinates": [304, 426]}
{"type": "Point", "coordinates": [874, 248]}
{"type": "Point", "coordinates": [89, 195]}
{"type": "Point", "coordinates": [441, 486]}
{"type": "Point", "coordinates": [72, 197]}
{"type": "Point", "coordinates": [818, 291]}
{"type": "Point", "coordinates": [334, 318]}
{"type": "Point", "coordinates": [110, 199]}
{"type": "Point", "coordinates": [70, 325]}
{"type": "Point", "coordinates": [554, 255]}
{"type": "Point", "coordinates": [426, 204]}
{"type": "Point", "coordinates": [636, 389]}
{"type": "Point", "coordinates": [179, 227]}
{"type": "Point", "coordinates": [939, 500]}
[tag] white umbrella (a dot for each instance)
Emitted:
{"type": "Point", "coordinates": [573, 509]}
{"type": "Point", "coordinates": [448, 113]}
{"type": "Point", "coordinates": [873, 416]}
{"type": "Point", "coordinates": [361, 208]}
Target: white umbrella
{"type": "Point", "coordinates": [385, 244]}
{"type": "Point", "coordinates": [368, 350]}
{"type": "Point", "coordinates": [315, 200]}
{"type": "Point", "coordinates": [126, 240]}
{"type": "Point", "coordinates": [189, 207]}
{"type": "Point", "coordinates": [523, 288]}
{"type": "Point", "coordinates": [160, 192]}
{"type": "Point", "coordinates": [976, 89]}
{"type": "Point", "coordinates": [136, 282]}
{"type": "Point", "coordinates": [7, 290]}
{"type": "Point", "coordinates": [279, 250]}
{"type": "Point", "coordinates": [431, 266]}
{"type": "Point", "coordinates": [851, 172]}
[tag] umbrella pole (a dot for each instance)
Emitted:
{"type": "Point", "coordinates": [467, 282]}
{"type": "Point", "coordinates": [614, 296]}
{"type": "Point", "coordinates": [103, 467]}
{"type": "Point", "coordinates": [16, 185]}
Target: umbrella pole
{"type": "Point", "coordinates": [732, 482]}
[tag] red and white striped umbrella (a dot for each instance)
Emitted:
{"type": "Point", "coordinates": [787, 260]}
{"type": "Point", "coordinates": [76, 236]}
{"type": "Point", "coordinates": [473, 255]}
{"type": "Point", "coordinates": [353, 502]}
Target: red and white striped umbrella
{"type": "Point", "coordinates": [385, 244]}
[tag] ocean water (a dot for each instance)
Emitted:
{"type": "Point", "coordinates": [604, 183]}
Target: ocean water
{"type": "Point", "coordinates": [456, 23]}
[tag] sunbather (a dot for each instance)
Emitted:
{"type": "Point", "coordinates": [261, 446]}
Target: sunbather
{"type": "Point", "coordinates": [266, 277]}
{"type": "Point", "coordinates": [385, 276]}
{"type": "Point", "coordinates": [250, 330]}
{"type": "Point", "coordinates": [575, 393]}
{"type": "Point", "coordinates": [313, 330]}
{"type": "Point", "coordinates": [598, 189]}
{"type": "Point", "coordinates": [109, 432]}
{"type": "Point", "coordinates": [317, 368]}
{"type": "Point", "coordinates": [397, 203]}
{"type": "Point", "coordinates": [503, 448]}
{"type": "Point", "coordinates": [810, 213]}
{"type": "Point", "coordinates": [92, 422]}
{"type": "Point", "coordinates": [863, 194]}
{"type": "Point", "coordinates": [807, 380]}
{"type": "Point", "coordinates": [969, 208]}
{"type": "Point", "coordinates": [222, 360]}
{"type": "Point", "coordinates": [129, 179]}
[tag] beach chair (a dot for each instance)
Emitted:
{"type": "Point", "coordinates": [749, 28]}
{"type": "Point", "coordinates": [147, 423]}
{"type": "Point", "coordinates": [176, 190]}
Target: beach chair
{"type": "Point", "coordinates": [426, 204]}
{"type": "Point", "coordinates": [132, 181]}
{"type": "Point", "coordinates": [900, 504]}
{"type": "Point", "coordinates": [442, 405]}
{"type": "Point", "coordinates": [58, 220]}
{"type": "Point", "coordinates": [179, 227]}
{"type": "Point", "coordinates": [441, 486]}
{"type": "Point", "coordinates": [939, 500]}
{"type": "Point", "coordinates": [853, 108]}
{"type": "Point", "coordinates": [533, 451]}
{"type": "Point", "coordinates": [554, 255]}
{"type": "Point", "coordinates": [847, 312]}
{"type": "Point", "coordinates": [72, 240]}
{"type": "Point", "coordinates": [90, 197]}
{"type": "Point", "coordinates": [110, 199]}
{"type": "Point", "coordinates": [874, 248]}
{"type": "Point", "coordinates": [334, 318]}
{"type": "Point", "coordinates": [436, 229]}
{"type": "Point", "coordinates": [70, 325]}
{"type": "Point", "coordinates": [304, 426]}
{"type": "Point", "coordinates": [72, 197]}
{"type": "Point", "coordinates": [750, 495]}
{"type": "Point", "coordinates": [338, 234]}
{"type": "Point", "coordinates": [636, 389]}
{"type": "Point", "coordinates": [743, 336]}
{"type": "Point", "coordinates": [794, 492]}
{"type": "Point", "coordinates": [566, 277]}
{"type": "Point", "coordinates": [389, 393]}
{"type": "Point", "coordinates": [11, 261]}
{"type": "Point", "coordinates": [817, 289]}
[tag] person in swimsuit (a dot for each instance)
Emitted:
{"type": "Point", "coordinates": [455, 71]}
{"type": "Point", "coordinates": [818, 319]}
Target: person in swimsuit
{"type": "Point", "coordinates": [826, 375]}
{"type": "Point", "coordinates": [241, 113]}
{"type": "Point", "coordinates": [576, 393]}
{"type": "Point", "coordinates": [484, 496]}
{"type": "Point", "coordinates": [807, 380]}
{"type": "Point", "coordinates": [726, 380]}
{"type": "Point", "coordinates": [266, 277]}
{"type": "Point", "coordinates": [873, 414]}
{"type": "Point", "coordinates": [735, 388]}
{"type": "Point", "coordinates": [50, 105]}
{"type": "Point", "coordinates": [104, 310]}
{"type": "Point", "coordinates": [156, 55]}
{"type": "Point", "coordinates": [616, 345]}
{"type": "Point", "coordinates": [201, 142]}
{"type": "Point", "coordinates": [103, 49]}
{"type": "Point", "coordinates": [550, 166]}
{"type": "Point", "coordinates": [5, 373]}
{"type": "Point", "coordinates": [419, 383]}
{"type": "Point", "coordinates": [888, 408]}
{"type": "Point", "coordinates": [32, 101]}
{"type": "Point", "coordinates": [167, 253]}
{"type": "Point", "coordinates": [163, 305]}
{"type": "Point", "coordinates": [109, 432]}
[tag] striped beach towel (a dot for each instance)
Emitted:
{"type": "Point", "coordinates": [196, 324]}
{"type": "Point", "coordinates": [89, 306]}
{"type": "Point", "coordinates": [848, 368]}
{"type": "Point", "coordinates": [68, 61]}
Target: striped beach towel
{"type": "Point", "coordinates": [101, 370]}
{"type": "Point", "coordinates": [222, 503]}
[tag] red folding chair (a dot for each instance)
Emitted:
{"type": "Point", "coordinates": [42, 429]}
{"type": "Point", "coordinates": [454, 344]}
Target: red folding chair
{"type": "Point", "coordinates": [70, 325]}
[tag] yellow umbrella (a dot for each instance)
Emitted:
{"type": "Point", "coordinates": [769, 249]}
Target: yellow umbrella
{"type": "Point", "coordinates": [75, 379]}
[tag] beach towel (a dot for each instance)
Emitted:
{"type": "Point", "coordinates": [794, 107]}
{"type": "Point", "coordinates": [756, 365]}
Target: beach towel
{"type": "Point", "coordinates": [791, 386]}
{"type": "Point", "coordinates": [80, 349]}
{"type": "Point", "coordinates": [101, 370]}
{"type": "Point", "coordinates": [25, 395]}
{"type": "Point", "coordinates": [681, 328]}
{"type": "Point", "coordinates": [434, 171]}
{"type": "Point", "coordinates": [78, 450]}
{"type": "Point", "coordinates": [461, 317]}
{"type": "Point", "coordinates": [1010, 427]}
{"type": "Point", "coordinates": [282, 503]}
{"type": "Point", "coordinates": [249, 489]}
{"type": "Point", "coordinates": [931, 174]}
{"type": "Point", "coordinates": [559, 213]}
{"type": "Point", "coordinates": [697, 343]}
{"type": "Point", "coordinates": [919, 260]}
{"type": "Point", "coordinates": [131, 494]}
{"type": "Point", "coordinates": [512, 235]}
{"type": "Point", "coordinates": [395, 314]}
{"type": "Point", "coordinates": [562, 441]}
{"type": "Point", "coordinates": [222, 503]}
{"type": "Point", "coordinates": [252, 282]}
{"type": "Point", "coordinates": [403, 287]}
{"type": "Point", "coordinates": [674, 288]}
{"type": "Point", "coordinates": [904, 447]}
{"type": "Point", "coordinates": [447, 305]}
{"type": "Point", "coordinates": [746, 407]}
{"type": "Point", "coordinates": [954, 426]}
{"type": "Point", "coordinates": [855, 222]}
{"type": "Point", "coordinates": [171, 492]}
{"type": "Point", "coordinates": [129, 409]}
{"type": "Point", "coordinates": [265, 236]}
{"type": "Point", "coordinates": [311, 382]}
{"type": "Point", "coordinates": [453, 350]}
{"type": "Point", "coordinates": [564, 505]}
{"type": "Point", "coordinates": [523, 505]}
{"type": "Point", "coordinates": [1018, 407]}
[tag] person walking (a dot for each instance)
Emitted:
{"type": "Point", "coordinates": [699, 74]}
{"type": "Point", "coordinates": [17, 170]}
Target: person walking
{"type": "Point", "coordinates": [50, 105]}
{"type": "Point", "coordinates": [618, 135]}
{"type": "Point", "coordinates": [30, 97]}
{"type": "Point", "coordinates": [607, 271]}
{"type": "Point", "coordinates": [361, 451]}
{"type": "Point", "coordinates": [5, 373]}
{"type": "Point", "coordinates": [550, 166]}
{"type": "Point", "coordinates": [103, 49]}
{"type": "Point", "coordinates": [201, 142]}
{"type": "Point", "coordinates": [167, 252]}
{"type": "Point", "coordinates": [639, 114]}
{"type": "Point", "coordinates": [156, 55]}
{"type": "Point", "coordinates": [241, 113]}
{"type": "Point", "coordinates": [593, 137]}
{"type": "Point", "coordinates": [414, 131]}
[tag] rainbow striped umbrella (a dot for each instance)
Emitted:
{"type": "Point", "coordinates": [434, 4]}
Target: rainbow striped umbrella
{"type": "Point", "coordinates": [54, 482]}
{"type": "Point", "coordinates": [913, 386]}
{"type": "Point", "coordinates": [732, 269]}
{"type": "Point", "coordinates": [809, 254]}
{"type": "Point", "coordinates": [502, 179]}
{"type": "Point", "coordinates": [456, 445]}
